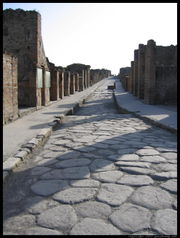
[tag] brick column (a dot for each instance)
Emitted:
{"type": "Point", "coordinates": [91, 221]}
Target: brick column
{"type": "Point", "coordinates": [141, 71]}
{"type": "Point", "coordinates": [131, 77]}
{"type": "Point", "coordinates": [72, 83]}
{"type": "Point", "coordinates": [81, 81]}
{"type": "Point", "coordinates": [150, 76]}
{"type": "Point", "coordinates": [135, 72]}
{"type": "Point", "coordinates": [66, 83]}
{"type": "Point", "coordinates": [61, 84]}
{"type": "Point", "coordinates": [76, 82]}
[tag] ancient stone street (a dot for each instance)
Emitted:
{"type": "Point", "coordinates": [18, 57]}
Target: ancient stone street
{"type": "Point", "coordinates": [100, 173]}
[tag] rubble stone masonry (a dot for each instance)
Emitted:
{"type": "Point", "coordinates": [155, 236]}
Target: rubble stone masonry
{"type": "Point", "coordinates": [153, 74]}
{"type": "Point", "coordinates": [22, 37]}
{"type": "Point", "coordinates": [10, 88]}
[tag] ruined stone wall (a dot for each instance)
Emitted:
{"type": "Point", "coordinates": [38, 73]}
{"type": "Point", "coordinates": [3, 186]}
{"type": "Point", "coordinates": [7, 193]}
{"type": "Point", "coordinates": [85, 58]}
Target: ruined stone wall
{"type": "Point", "coordinates": [124, 74]}
{"type": "Point", "coordinates": [22, 37]}
{"type": "Point", "coordinates": [10, 88]}
{"type": "Point", "coordinates": [153, 75]}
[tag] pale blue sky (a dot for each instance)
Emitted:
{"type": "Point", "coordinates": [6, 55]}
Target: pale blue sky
{"type": "Point", "coordinates": [103, 35]}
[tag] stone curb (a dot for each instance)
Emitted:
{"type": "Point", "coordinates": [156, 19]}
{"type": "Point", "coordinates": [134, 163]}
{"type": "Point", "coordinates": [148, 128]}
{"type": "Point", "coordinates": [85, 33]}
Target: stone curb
{"type": "Point", "coordinates": [144, 118]}
{"type": "Point", "coordinates": [26, 150]}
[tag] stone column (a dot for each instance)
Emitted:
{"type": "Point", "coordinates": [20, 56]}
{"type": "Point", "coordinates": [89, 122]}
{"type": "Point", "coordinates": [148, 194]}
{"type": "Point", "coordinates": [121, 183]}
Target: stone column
{"type": "Point", "coordinates": [150, 75]}
{"type": "Point", "coordinates": [66, 83]}
{"type": "Point", "coordinates": [72, 83]}
{"type": "Point", "coordinates": [141, 71]}
{"type": "Point", "coordinates": [135, 73]}
{"type": "Point", "coordinates": [61, 84]}
{"type": "Point", "coordinates": [88, 77]}
{"type": "Point", "coordinates": [133, 82]}
{"type": "Point", "coordinates": [76, 82]}
{"type": "Point", "coordinates": [54, 89]}
{"type": "Point", "coordinates": [81, 81]}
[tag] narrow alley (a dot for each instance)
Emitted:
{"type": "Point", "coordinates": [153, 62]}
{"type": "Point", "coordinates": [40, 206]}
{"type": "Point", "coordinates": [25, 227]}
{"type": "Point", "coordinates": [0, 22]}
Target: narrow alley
{"type": "Point", "coordinates": [101, 172]}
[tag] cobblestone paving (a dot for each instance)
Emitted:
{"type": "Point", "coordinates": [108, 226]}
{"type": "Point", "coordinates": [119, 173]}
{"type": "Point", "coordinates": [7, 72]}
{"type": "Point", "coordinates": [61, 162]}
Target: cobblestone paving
{"type": "Point", "coordinates": [100, 173]}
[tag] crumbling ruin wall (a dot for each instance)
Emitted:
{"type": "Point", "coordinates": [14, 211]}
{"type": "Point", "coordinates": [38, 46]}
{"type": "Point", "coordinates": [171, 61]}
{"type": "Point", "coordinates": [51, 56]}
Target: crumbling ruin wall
{"type": "Point", "coordinates": [22, 37]}
{"type": "Point", "coordinates": [10, 88]}
{"type": "Point", "coordinates": [153, 74]}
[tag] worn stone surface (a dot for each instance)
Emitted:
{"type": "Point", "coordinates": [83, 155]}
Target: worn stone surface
{"type": "Point", "coordinates": [42, 231]}
{"type": "Point", "coordinates": [133, 164]}
{"type": "Point", "coordinates": [170, 185]}
{"type": "Point", "coordinates": [152, 197]}
{"type": "Point", "coordinates": [62, 217]}
{"type": "Point", "coordinates": [72, 163]}
{"type": "Point", "coordinates": [131, 218]}
{"type": "Point", "coordinates": [125, 157]}
{"type": "Point", "coordinates": [19, 222]}
{"type": "Point", "coordinates": [137, 170]}
{"type": "Point", "coordinates": [74, 195]}
{"type": "Point", "coordinates": [91, 226]}
{"type": "Point", "coordinates": [135, 180]}
{"type": "Point", "coordinates": [84, 183]}
{"type": "Point", "coordinates": [147, 152]}
{"type": "Point", "coordinates": [105, 164]}
{"type": "Point", "coordinates": [108, 176]}
{"type": "Point", "coordinates": [114, 194]}
{"type": "Point", "coordinates": [93, 209]}
{"type": "Point", "coordinates": [101, 165]}
{"type": "Point", "coordinates": [36, 205]}
{"type": "Point", "coordinates": [165, 222]}
{"type": "Point", "coordinates": [48, 187]}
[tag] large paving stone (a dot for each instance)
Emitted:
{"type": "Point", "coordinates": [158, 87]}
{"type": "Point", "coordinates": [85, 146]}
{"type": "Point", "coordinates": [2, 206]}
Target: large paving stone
{"type": "Point", "coordinates": [85, 183]}
{"type": "Point", "coordinates": [147, 152]}
{"type": "Point", "coordinates": [91, 226]}
{"type": "Point", "coordinates": [74, 195]}
{"type": "Point", "coordinates": [152, 197]}
{"type": "Point", "coordinates": [153, 159]}
{"type": "Point", "coordinates": [164, 175]}
{"type": "Point", "coordinates": [136, 180]}
{"type": "Point", "coordinates": [165, 222]}
{"type": "Point", "coordinates": [131, 218]}
{"type": "Point", "coordinates": [36, 205]}
{"type": "Point", "coordinates": [76, 172]}
{"type": "Point", "coordinates": [126, 151]}
{"type": "Point", "coordinates": [170, 185]}
{"type": "Point", "coordinates": [101, 165]}
{"type": "Point", "coordinates": [169, 155]}
{"type": "Point", "coordinates": [137, 170]}
{"type": "Point", "coordinates": [42, 231]}
{"type": "Point", "coordinates": [72, 163]}
{"type": "Point", "coordinates": [108, 176]}
{"type": "Point", "coordinates": [133, 164]}
{"type": "Point", "coordinates": [165, 167]}
{"type": "Point", "coordinates": [39, 170]}
{"type": "Point", "coordinates": [93, 209]}
{"type": "Point", "coordinates": [114, 194]}
{"type": "Point", "coordinates": [62, 217]}
{"type": "Point", "coordinates": [47, 162]}
{"type": "Point", "coordinates": [126, 157]}
{"type": "Point", "coordinates": [48, 187]}
{"type": "Point", "coordinates": [69, 155]}
{"type": "Point", "coordinates": [53, 174]}
{"type": "Point", "coordinates": [19, 222]}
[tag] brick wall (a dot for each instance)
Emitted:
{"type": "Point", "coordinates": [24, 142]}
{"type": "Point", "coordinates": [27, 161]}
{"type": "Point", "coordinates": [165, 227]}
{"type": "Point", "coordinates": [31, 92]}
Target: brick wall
{"type": "Point", "coordinates": [10, 88]}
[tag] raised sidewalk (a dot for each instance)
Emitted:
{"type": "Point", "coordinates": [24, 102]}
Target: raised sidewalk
{"type": "Point", "coordinates": [159, 115]}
